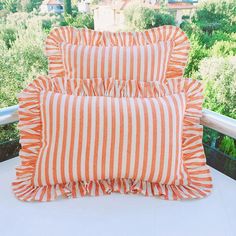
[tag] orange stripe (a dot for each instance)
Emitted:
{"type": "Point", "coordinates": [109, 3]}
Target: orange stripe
{"type": "Point", "coordinates": [81, 112]}
{"type": "Point", "coordinates": [127, 172]}
{"type": "Point", "coordinates": [43, 141]}
{"type": "Point", "coordinates": [162, 138]}
{"type": "Point", "coordinates": [65, 121]}
{"type": "Point", "coordinates": [95, 164]}
{"type": "Point", "coordinates": [81, 68]}
{"type": "Point", "coordinates": [137, 139]}
{"type": "Point", "coordinates": [104, 139]}
{"type": "Point", "coordinates": [72, 139]}
{"type": "Point", "coordinates": [121, 138]}
{"type": "Point", "coordinates": [50, 117]}
{"type": "Point", "coordinates": [113, 138]}
{"type": "Point", "coordinates": [57, 117]}
{"type": "Point", "coordinates": [146, 135]}
{"type": "Point", "coordinates": [87, 152]}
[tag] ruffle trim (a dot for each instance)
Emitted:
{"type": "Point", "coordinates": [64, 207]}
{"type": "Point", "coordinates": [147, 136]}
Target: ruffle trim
{"type": "Point", "coordinates": [198, 183]}
{"type": "Point", "coordinates": [71, 35]}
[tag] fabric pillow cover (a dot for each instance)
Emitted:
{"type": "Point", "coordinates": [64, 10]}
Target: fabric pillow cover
{"type": "Point", "coordinates": [111, 153]}
{"type": "Point", "coordinates": [85, 37]}
{"type": "Point", "coordinates": [145, 62]}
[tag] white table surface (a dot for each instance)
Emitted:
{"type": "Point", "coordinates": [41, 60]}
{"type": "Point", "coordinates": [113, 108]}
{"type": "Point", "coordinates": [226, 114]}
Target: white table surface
{"type": "Point", "coordinates": [118, 214]}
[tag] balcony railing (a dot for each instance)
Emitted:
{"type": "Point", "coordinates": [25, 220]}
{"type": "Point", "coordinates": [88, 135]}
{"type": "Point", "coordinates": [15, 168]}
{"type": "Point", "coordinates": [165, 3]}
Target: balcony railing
{"type": "Point", "coordinates": [210, 119]}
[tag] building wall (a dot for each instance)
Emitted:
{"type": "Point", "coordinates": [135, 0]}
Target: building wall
{"type": "Point", "coordinates": [107, 19]}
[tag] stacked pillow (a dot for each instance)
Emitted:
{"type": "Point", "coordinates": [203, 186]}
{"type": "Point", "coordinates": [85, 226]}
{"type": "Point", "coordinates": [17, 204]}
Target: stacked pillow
{"type": "Point", "coordinates": [114, 115]}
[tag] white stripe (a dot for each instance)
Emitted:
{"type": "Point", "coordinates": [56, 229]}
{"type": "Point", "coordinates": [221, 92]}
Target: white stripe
{"type": "Point", "coordinates": [84, 140]}
{"type": "Point", "coordinates": [100, 136]}
{"type": "Point", "coordinates": [77, 137]}
{"type": "Point", "coordinates": [68, 137]}
{"type": "Point", "coordinates": [85, 62]}
{"type": "Point", "coordinates": [150, 139]}
{"type": "Point", "coordinates": [142, 138]}
{"type": "Point", "coordinates": [117, 137]}
{"type": "Point", "coordinates": [158, 144]}
{"type": "Point", "coordinates": [109, 132]}
{"type": "Point", "coordinates": [93, 134]}
{"type": "Point", "coordinates": [125, 138]}
{"type": "Point", "coordinates": [133, 138]}
{"type": "Point", "coordinates": [99, 62]}
{"type": "Point", "coordinates": [54, 129]}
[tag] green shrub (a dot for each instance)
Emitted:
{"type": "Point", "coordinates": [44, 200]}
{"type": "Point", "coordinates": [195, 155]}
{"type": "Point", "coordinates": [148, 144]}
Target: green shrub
{"type": "Point", "coordinates": [8, 35]}
{"type": "Point", "coordinates": [67, 7]}
{"type": "Point", "coordinates": [223, 49]}
{"type": "Point", "coordinates": [196, 54]}
{"type": "Point", "coordinates": [228, 146]}
{"type": "Point", "coordinates": [30, 5]}
{"type": "Point", "coordinates": [10, 5]}
{"type": "Point", "coordinates": [219, 78]}
{"type": "Point", "coordinates": [82, 20]}
{"type": "Point", "coordinates": [215, 15]}
{"type": "Point", "coordinates": [47, 25]}
{"type": "Point", "coordinates": [139, 18]}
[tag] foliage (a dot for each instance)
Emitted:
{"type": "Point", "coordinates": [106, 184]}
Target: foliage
{"type": "Point", "coordinates": [9, 5]}
{"type": "Point", "coordinates": [8, 35]}
{"type": "Point", "coordinates": [8, 133]}
{"type": "Point", "coordinates": [82, 20]}
{"type": "Point", "coordinates": [228, 145]}
{"type": "Point", "coordinates": [197, 53]}
{"type": "Point", "coordinates": [216, 15]}
{"type": "Point", "coordinates": [30, 5]}
{"type": "Point", "coordinates": [223, 49]}
{"type": "Point", "coordinates": [67, 7]}
{"type": "Point", "coordinates": [219, 78]}
{"type": "Point", "coordinates": [139, 18]}
{"type": "Point", "coordinates": [24, 60]}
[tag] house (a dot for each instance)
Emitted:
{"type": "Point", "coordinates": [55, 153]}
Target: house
{"type": "Point", "coordinates": [52, 6]}
{"type": "Point", "coordinates": [84, 6]}
{"type": "Point", "coordinates": [109, 15]}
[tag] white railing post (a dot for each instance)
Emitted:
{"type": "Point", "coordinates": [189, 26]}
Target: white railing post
{"type": "Point", "coordinates": [8, 115]}
{"type": "Point", "coordinates": [218, 122]}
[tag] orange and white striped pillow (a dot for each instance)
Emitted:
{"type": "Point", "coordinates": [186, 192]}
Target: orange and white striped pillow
{"type": "Point", "coordinates": [93, 137]}
{"type": "Point", "coordinates": [86, 37]}
{"type": "Point", "coordinates": [145, 63]}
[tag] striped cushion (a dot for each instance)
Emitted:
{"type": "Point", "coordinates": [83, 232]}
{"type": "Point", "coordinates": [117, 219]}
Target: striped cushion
{"type": "Point", "coordinates": [145, 63]}
{"type": "Point", "coordinates": [86, 37]}
{"type": "Point", "coordinates": [93, 138]}
{"type": "Point", "coordinates": [139, 138]}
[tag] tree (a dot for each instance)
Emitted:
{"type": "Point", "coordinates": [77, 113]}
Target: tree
{"type": "Point", "coordinates": [139, 18]}
{"type": "Point", "coordinates": [82, 20]}
{"type": "Point", "coordinates": [219, 78]}
{"type": "Point", "coordinates": [10, 5]}
{"type": "Point", "coordinates": [223, 49]}
{"type": "Point", "coordinates": [215, 15]}
{"type": "Point", "coordinates": [67, 7]}
{"type": "Point", "coordinates": [30, 5]}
